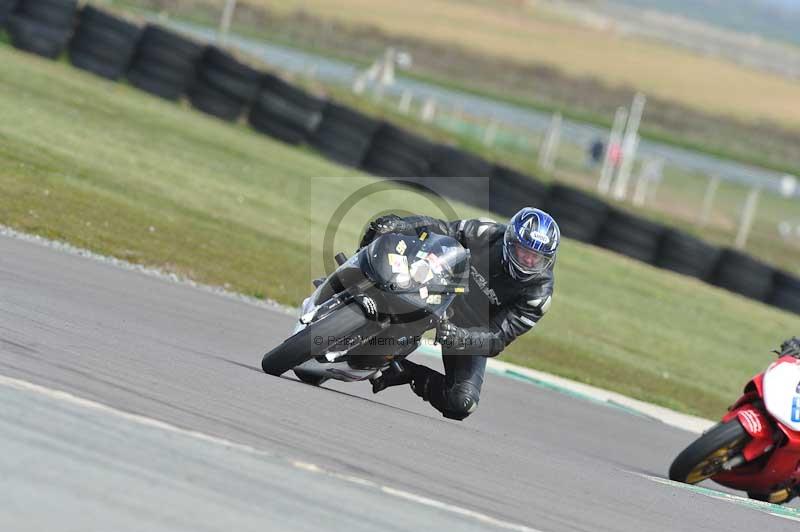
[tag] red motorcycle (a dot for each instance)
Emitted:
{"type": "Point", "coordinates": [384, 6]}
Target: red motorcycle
{"type": "Point", "coordinates": [756, 446]}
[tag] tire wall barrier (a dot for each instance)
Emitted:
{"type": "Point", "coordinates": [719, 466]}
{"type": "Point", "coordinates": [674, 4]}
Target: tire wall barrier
{"type": "Point", "coordinates": [631, 236]}
{"type": "Point", "coordinates": [344, 135]}
{"type": "Point", "coordinates": [103, 44]}
{"type": "Point", "coordinates": [285, 112]}
{"type": "Point", "coordinates": [224, 86]}
{"type": "Point", "coordinates": [172, 66]}
{"type": "Point", "coordinates": [42, 27]}
{"type": "Point", "coordinates": [6, 7]}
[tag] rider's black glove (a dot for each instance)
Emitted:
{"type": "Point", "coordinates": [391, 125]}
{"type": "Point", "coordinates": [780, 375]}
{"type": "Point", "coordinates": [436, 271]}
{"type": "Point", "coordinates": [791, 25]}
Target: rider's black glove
{"type": "Point", "coordinates": [790, 347]}
{"type": "Point", "coordinates": [391, 223]}
{"type": "Point", "coordinates": [477, 341]}
{"type": "Point", "coordinates": [452, 336]}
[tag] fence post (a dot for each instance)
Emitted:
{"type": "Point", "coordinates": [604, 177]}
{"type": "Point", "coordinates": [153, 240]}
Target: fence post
{"type": "Point", "coordinates": [614, 139]}
{"type": "Point", "coordinates": [708, 200]}
{"type": "Point", "coordinates": [748, 217]}
{"type": "Point", "coordinates": [648, 175]}
{"type": "Point", "coordinates": [225, 21]}
{"type": "Point", "coordinates": [360, 82]}
{"type": "Point", "coordinates": [428, 110]}
{"type": "Point", "coordinates": [629, 146]}
{"type": "Point", "coordinates": [549, 146]}
{"type": "Point", "coordinates": [385, 74]}
{"type": "Point", "coordinates": [655, 181]}
{"type": "Point", "coordinates": [405, 102]}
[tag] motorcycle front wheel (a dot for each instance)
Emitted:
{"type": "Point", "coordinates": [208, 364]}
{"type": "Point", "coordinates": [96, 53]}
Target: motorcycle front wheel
{"type": "Point", "coordinates": [316, 339]}
{"type": "Point", "coordinates": [707, 455]}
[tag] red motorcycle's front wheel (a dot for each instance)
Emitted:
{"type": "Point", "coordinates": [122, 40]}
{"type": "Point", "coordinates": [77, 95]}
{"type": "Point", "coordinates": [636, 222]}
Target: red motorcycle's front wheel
{"type": "Point", "coordinates": [708, 454]}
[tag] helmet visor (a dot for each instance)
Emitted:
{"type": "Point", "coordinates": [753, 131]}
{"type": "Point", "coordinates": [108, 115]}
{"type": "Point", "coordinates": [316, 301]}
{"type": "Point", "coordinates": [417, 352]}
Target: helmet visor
{"type": "Point", "coordinates": [528, 261]}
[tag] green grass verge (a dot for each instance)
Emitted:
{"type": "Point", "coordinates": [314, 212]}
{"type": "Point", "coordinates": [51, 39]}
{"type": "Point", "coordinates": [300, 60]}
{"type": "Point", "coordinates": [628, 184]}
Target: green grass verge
{"type": "Point", "coordinates": [119, 172]}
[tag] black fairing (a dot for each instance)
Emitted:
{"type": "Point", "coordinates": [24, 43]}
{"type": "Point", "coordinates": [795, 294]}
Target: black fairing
{"type": "Point", "coordinates": [450, 260]}
{"type": "Point", "coordinates": [399, 298]}
{"type": "Point", "coordinates": [379, 278]}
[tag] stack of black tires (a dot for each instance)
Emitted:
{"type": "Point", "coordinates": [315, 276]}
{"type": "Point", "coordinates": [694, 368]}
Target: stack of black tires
{"type": "Point", "coordinates": [396, 152]}
{"type": "Point", "coordinates": [42, 27]}
{"type": "Point", "coordinates": [579, 215]}
{"type": "Point", "coordinates": [6, 7]}
{"type": "Point", "coordinates": [460, 175]}
{"type": "Point", "coordinates": [743, 274]}
{"type": "Point", "coordinates": [224, 86]}
{"type": "Point", "coordinates": [511, 190]}
{"type": "Point", "coordinates": [785, 292]}
{"type": "Point", "coordinates": [344, 135]}
{"type": "Point", "coordinates": [686, 254]}
{"type": "Point", "coordinates": [165, 63]}
{"type": "Point", "coordinates": [631, 236]}
{"type": "Point", "coordinates": [285, 112]}
{"type": "Point", "coordinates": [103, 44]}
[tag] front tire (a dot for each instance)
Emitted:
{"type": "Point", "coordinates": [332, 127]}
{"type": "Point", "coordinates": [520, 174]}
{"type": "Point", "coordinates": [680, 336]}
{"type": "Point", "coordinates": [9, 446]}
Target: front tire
{"type": "Point", "coordinates": [706, 456]}
{"type": "Point", "coordinates": [309, 378]}
{"type": "Point", "coordinates": [315, 339]}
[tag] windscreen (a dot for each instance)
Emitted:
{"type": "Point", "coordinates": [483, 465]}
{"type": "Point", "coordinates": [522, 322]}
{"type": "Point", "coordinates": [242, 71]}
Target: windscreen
{"type": "Point", "coordinates": [435, 263]}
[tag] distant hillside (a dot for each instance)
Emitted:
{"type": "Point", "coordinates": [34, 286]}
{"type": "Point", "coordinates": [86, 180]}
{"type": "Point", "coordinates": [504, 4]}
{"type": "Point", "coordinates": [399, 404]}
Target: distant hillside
{"type": "Point", "coordinates": [773, 19]}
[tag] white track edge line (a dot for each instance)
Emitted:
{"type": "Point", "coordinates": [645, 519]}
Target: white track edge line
{"type": "Point", "coordinates": [67, 397]}
{"type": "Point", "coordinates": [761, 506]}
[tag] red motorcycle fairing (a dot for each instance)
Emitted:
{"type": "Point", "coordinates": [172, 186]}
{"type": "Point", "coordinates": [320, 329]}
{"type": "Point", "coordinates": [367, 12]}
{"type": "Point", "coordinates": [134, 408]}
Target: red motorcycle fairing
{"type": "Point", "coordinates": [781, 470]}
{"type": "Point", "coordinates": [792, 436]}
{"type": "Point", "coordinates": [757, 425]}
{"type": "Point", "coordinates": [782, 466]}
{"type": "Point", "coordinates": [752, 391]}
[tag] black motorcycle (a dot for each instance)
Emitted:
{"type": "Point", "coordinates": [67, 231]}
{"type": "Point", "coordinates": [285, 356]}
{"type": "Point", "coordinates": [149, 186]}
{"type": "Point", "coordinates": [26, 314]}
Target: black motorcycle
{"type": "Point", "coordinates": [373, 309]}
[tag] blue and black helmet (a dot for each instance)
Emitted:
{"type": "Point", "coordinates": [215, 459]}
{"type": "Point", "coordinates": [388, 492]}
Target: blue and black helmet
{"type": "Point", "coordinates": [530, 243]}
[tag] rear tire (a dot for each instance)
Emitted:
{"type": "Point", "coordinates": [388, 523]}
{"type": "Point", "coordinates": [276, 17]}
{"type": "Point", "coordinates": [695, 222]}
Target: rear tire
{"type": "Point", "coordinates": [705, 457]}
{"type": "Point", "coordinates": [315, 339]}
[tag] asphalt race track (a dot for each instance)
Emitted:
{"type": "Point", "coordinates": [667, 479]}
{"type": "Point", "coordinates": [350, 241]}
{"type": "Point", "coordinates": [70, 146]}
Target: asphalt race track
{"type": "Point", "coordinates": [217, 445]}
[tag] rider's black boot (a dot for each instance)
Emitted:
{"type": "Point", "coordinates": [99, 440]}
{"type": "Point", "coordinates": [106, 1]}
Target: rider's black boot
{"type": "Point", "coordinates": [396, 375]}
{"type": "Point", "coordinates": [425, 382]}
{"type": "Point", "coordinates": [428, 384]}
{"type": "Point", "coordinates": [454, 402]}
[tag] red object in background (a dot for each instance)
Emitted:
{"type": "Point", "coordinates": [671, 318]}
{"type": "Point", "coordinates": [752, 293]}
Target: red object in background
{"type": "Point", "coordinates": [615, 154]}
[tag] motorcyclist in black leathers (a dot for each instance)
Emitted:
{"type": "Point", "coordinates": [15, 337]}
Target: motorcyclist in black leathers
{"type": "Point", "coordinates": [511, 288]}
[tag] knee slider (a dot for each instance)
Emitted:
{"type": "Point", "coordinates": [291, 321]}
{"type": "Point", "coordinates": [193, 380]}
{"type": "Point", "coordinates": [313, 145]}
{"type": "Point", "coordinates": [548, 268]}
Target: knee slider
{"type": "Point", "coordinates": [462, 400]}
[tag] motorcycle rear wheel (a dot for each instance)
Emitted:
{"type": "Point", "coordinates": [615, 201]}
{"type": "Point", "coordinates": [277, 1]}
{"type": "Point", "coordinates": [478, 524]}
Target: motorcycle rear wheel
{"type": "Point", "coordinates": [707, 455]}
{"type": "Point", "coordinates": [316, 339]}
